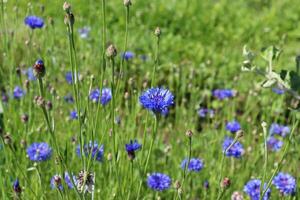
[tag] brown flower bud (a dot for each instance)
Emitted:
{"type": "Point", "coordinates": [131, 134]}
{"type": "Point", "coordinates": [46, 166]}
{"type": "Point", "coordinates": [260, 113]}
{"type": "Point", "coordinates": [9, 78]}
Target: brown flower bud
{"type": "Point", "coordinates": [189, 133]}
{"type": "Point", "coordinates": [111, 51]}
{"type": "Point", "coordinates": [127, 2]}
{"type": "Point", "coordinates": [67, 7]}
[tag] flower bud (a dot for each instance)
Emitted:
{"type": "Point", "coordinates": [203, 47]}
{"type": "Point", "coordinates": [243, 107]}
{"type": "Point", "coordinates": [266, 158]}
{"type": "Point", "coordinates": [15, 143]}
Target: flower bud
{"type": "Point", "coordinates": [189, 133]}
{"type": "Point", "coordinates": [127, 2]}
{"type": "Point", "coordinates": [24, 118]}
{"type": "Point", "coordinates": [67, 7]}
{"type": "Point", "coordinates": [237, 196]}
{"type": "Point", "coordinates": [177, 185]}
{"type": "Point", "coordinates": [7, 138]}
{"type": "Point", "coordinates": [69, 19]}
{"type": "Point", "coordinates": [157, 32]}
{"type": "Point", "coordinates": [111, 51]}
{"type": "Point", "coordinates": [49, 105]}
{"type": "Point", "coordinates": [225, 183]}
{"type": "Point", "coordinates": [39, 69]}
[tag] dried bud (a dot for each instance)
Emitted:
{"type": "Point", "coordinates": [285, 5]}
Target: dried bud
{"type": "Point", "coordinates": [7, 138]}
{"type": "Point", "coordinates": [157, 31]}
{"type": "Point", "coordinates": [69, 19]}
{"type": "Point", "coordinates": [111, 51]}
{"type": "Point", "coordinates": [177, 185]}
{"type": "Point", "coordinates": [109, 156]}
{"type": "Point", "coordinates": [18, 71]}
{"type": "Point", "coordinates": [67, 7]}
{"type": "Point", "coordinates": [49, 105]}
{"type": "Point", "coordinates": [57, 180]}
{"type": "Point", "coordinates": [127, 2]}
{"type": "Point", "coordinates": [239, 133]}
{"type": "Point", "coordinates": [23, 143]}
{"type": "Point", "coordinates": [225, 183]}
{"type": "Point", "coordinates": [27, 84]}
{"type": "Point", "coordinates": [126, 95]}
{"type": "Point", "coordinates": [237, 196]}
{"type": "Point", "coordinates": [51, 21]}
{"type": "Point", "coordinates": [39, 101]}
{"type": "Point", "coordinates": [189, 133]}
{"type": "Point", "coordinates": [24, 118]}
{"type": "Point", "coordinates": [39, 69]}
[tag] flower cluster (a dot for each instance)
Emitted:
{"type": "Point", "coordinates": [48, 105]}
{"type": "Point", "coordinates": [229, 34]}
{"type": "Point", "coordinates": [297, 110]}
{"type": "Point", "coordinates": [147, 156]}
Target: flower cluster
{"type": "Point", "coordinates": [106, 96]}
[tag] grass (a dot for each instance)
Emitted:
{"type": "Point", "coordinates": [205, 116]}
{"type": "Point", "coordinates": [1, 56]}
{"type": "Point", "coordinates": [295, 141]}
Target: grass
{"type": "Point", "coordinates": [200, 49]}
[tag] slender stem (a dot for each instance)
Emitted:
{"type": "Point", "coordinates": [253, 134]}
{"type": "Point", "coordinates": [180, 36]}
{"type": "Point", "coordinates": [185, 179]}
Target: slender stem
{"type": "Point", "coordinates": [188, 161]}
{"type": "Point", "coordinates": [281, 160]}
{"type": "Point", "coordinates": [113, 106]}
{"type": "Point", "coordinates": [156, 60]}
{"type": "Point", "coordinates": [265, 161]}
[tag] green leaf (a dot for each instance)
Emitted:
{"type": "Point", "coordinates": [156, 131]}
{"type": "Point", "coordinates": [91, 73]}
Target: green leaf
{"type": "Point", "coordinates": [271, 53]}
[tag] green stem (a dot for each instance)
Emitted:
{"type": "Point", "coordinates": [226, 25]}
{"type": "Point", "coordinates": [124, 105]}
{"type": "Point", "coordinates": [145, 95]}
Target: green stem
{"type": "Point", "coordinates": [265, 161]}
{"type": "Point", "coordinates": [156, 60]}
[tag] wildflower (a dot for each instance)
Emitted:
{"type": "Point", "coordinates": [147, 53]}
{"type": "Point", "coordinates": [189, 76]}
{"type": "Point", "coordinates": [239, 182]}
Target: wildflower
{"type": "Point", "coordinates": [105, 96]}
{"type": "Point", "coordinates": [233, 126]}
{"type": "Point", "coordinates": [55, 182]}
{"type": "Point", "coordinates": [18, 92]}
{"type": "Point", "coordinates": [252, 188]}
{"type": "Point", "coordinates": [274, 144]}
{"type": "Point", "coordinates": [128, 55]}
{"type": "Point", "coordinates": [236, 150]}
{"type": "Point", "coordinates": [278, 91]}
{"type": "Point", "coordinates": [16, 186]}
{"type": "Point", "coordinates": [69, 77]}
{"type": "Point", "coordinates": [195, 164]}
{"type": "Point", "coordinates": [30, 74]}
{"type": "Point", "coordinates": [39, 69]}
{"type": "Point", "coordinates": [223, 93]}
{"type": "Point", "coordinates": [237, 196]}
{"type": "Point", "coordinates": [157, 100]}
{"type": "Point", "coordinates": [92, 148]}
{"type": "Point", "coordinates": [131, 148]}
{"type": "Point", "coordinates": [69, 98]}
{"type": "Point", "coordinates": [285, 183]}
{"type": "Point", "coordinates": [111, 51]}
{"type": "Point", "coordinates": [69, 181]}
{"type": "Point", "coordinates": [73, 114]}
{"type": "Point", "coordinates": [39, 152]}
{"type": "Point", "coordinates": [279, 130]}
{"type": "Point", "coordinates": [85, 182]}
{"type": "Point", "coordinates": [226, 182]}
{"type": "Point", "coordinates": [84, 32]}
{"type": "Point", "coordinates": [158, 181]}
{"type": "Point", "coordinates": [203, 112]}
{"type": "Point", "coordinates": [34, 22]}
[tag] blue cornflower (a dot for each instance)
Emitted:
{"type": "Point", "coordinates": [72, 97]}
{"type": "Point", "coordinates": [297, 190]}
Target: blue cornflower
{"type": "Point", "coordinates": [18, 92]}
{"type": "Point", "coordinates": [69, 98]}
{"type": "Point", "coordinates": [236, 150]}
{"type": "Point", "coordinates": [252, 188]}
{"type": "Point", "coordinates": [285, 183]}
{"type": "Point", "coordinates": [128, 55]}
{"type": "Point", "coordinates": [34, 22]}
{"type": "Point", "coordinates": [39, 151]}
{"type": "Point", "coordinates": [69, 77]}
{"type": "Point", "coordinates": [223, 93]}
{"type": "Point", "coordinates": [69, 181]}
{"type": "Point", "coordinates": [73, 114]}
{"type": "Point", "coordinates": [16, 186]}
{"type": "Point", "coordinates": [158, 181]}
{"type": "Point", "coordinates": [157, 100]}
{"type": "Point", "coordinates": [278, 91]}
{"type": "Point", "coordinates": [132, 147]}
{"type": "Point", "coordinates": [56, 182]}
{"type": "Point", "coordinates": [233, 126]}
{"type": "Point", "coordinates": [84, 32]}
{"type": "Point", "coordinates": [30, 74]}
{"type": "Point", "coordinates": [92, 148]}
{"type": "Point", "coordinates": [274, 144]}
{"type": "Point", "coordinates": [105, 96]}
{"type": "Point", "coordinates": [203, 112]}
{"type": "Point", "coordinates": [279, 129]}
{"type": "Point", "coordinates": [195, 164]}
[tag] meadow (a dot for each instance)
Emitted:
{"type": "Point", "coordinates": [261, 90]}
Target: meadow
{"type": "Point", "coordinates": [150, 99]}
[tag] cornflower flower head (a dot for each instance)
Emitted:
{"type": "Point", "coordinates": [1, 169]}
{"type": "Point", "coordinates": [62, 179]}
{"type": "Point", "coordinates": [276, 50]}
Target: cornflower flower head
{"type": "Point", "coordinates": [69, 78]}
{"type": "Point", "coordinates": [56, 182]}
{"type": "Point", "coordinates": [105, 98]}
{"type": "Point", "coordinates": [34, 22]}
{"type": "Point", "coordinates": [204, 112]}
{"type": "Point", "coordinates": [30, 74]}
{"type": "Point", "coordinates": [39, 152]}
{"type": "Point", "coordinates": [128, 55]}
{"type": "Point", "coordinates": [274, 144]}
{"type": "Point", "coordinates": [16, 186]}
{"type": "Point", "coordinates": [158, 181]}
{"type": "Point", "coordinates": [252, 189]}
{"type": "Point", "coordinates": [18, 92]}
{"type": "Point", "coordinates": [278, 129]}
{"type": "Point", "coordinates": [233, 126]}
{"type": "Point", "coordinates": [285, 183]}
{"type": "Point", "coordinates": [84, 32]}
{"type": "Point", "coordinates": [132, 147]}
{"type": "Point", "coordinates": [69, 181]}
{"type": "Point", "coordinates": [236, 150]}
{"type": "Point", "coordinates": [195, 164]}
{"type": "Point", "coordinates": [73, 115]}
{"type": "Point", "coordinates": [157, 100]}
{"type": "Point", "coordinates": [222, 94]}
{"type": "Point", "coordinates": [94, 149]}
